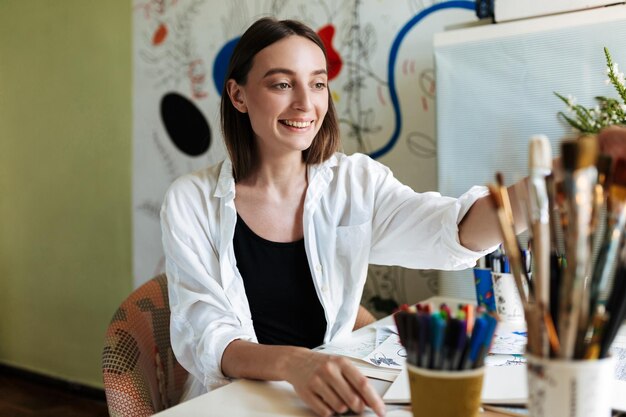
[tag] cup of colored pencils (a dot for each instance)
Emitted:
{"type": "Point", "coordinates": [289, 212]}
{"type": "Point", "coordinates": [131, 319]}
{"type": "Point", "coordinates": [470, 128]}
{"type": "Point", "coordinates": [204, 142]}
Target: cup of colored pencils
{"type": "Point", "coordinates": [446, 351]}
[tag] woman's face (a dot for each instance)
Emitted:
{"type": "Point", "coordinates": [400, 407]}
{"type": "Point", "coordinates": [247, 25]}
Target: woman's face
{"type": "Point", "coordinates": [285, 96]}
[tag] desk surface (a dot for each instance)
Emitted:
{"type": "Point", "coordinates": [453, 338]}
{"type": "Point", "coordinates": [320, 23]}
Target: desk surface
{"type": "Point", "coordinates": [245, 398]}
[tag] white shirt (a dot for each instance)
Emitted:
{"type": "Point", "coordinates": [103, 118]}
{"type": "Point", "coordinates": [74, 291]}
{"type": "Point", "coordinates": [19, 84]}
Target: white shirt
{"type": "Point", "coordinates": [355, 213]}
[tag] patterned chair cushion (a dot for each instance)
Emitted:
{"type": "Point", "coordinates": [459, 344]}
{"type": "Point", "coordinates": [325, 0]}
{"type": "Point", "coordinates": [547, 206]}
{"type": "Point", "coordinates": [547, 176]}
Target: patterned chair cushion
{"type": "Point", "coordinates": [141, 374]}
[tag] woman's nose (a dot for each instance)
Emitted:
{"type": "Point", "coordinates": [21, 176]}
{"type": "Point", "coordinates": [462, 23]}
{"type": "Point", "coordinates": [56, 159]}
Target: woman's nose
{"type": "Point", "coordinates": [302, 98]}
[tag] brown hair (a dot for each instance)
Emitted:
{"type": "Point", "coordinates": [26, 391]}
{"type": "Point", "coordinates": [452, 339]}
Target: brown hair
{"type": "Point", "coordinates": [236, 127]}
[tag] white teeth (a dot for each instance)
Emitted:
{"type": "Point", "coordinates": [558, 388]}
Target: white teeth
{"type": "Point", "coordinates": [297, 124]}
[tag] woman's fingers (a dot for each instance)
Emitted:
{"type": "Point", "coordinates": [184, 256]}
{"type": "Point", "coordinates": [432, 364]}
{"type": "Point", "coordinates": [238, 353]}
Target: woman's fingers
{"type": "Point", "coordinates": [333, 384]}
{"type": "Point", "coordinates": [327, 393]}
{"type": "Point", "coordinates": [365, 390]}
{"type": "Point", "coordinates": [334, 374]}
{"type": "Point", "coordinates": [316, 404]}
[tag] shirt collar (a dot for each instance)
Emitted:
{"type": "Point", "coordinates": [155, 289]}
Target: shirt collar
{"type": "Point", "coordinates": [225, 181]}
{"type": "Point", "coordinates": [323, 170]}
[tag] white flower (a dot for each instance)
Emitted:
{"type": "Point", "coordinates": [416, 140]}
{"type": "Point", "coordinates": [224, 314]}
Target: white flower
{"type": "Point", "coordinates": [571, 101]}
{"type": "Point", "coordinates": [623, 107]}
{"type": "Point", "coordinates": [615, 67]}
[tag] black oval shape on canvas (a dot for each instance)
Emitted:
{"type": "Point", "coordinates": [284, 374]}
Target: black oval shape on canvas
{"type": "Point", "coordinates": [185, 124]}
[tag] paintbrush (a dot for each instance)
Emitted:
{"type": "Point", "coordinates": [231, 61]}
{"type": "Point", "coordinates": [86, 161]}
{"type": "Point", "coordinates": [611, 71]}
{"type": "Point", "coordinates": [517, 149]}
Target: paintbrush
{"type": "Point", "coordinates": [615, 306]}
{"type": "Point", "coordinates": [600, 320]}
{"type": "Point", "coordinates": [511, 245]}
{"type": "Point", "coordinates": [614, 232]}
{"type": "Point", "coordinates": [600, 196]}
{"type": "Point", "coordinates": [506, 205]}
{"type": "Point", "coordinates": [580, 177]}
{"type": "Point", "coordinates": [540, 166]}
{"type": "Point", "coordinates": [556, 250]}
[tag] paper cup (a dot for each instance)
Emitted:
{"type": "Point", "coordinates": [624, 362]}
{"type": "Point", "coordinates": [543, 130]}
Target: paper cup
{"type": "Point", "coordinates": [508, 302]}
{"type": "Point", "coordinates": [561, 388]}
{"type": "Point", "coordinates": [445, 393]}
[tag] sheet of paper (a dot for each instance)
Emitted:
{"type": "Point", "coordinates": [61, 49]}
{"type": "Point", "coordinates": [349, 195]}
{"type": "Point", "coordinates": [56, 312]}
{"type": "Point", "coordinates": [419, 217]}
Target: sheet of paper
{"type": "Point", "coordinates": [619, 396]}
{"type": "Point", "coordinates": [383, 332]}
{"type": "Point", "coordinates": [502, 385]}
{"type": "Point", "coordinates": [505, 360]}
{"type": "Point", "coordinates": [509, 339]}
{"type": "Point", "coordinates": [354, 347]}
{"type": "Point", "coordinates": [389, 354]}
{"type": "Point", "coordinates": [375, 372]}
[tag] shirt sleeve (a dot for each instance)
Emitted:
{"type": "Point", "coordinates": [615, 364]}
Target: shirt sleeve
{"type": "Point", "coordinates": [419, 230]}
{"type": "Point", "coordinates": [203, 321]}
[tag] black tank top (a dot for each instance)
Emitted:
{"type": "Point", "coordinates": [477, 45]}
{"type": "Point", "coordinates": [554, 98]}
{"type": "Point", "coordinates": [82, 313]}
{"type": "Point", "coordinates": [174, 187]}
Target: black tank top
{"type": "Point", "coordinates": [283, 302]}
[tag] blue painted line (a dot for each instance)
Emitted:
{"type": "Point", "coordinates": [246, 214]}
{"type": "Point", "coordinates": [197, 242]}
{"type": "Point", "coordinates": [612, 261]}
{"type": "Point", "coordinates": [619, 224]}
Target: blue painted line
{"type": "Point", "coordinates": [393, 55]}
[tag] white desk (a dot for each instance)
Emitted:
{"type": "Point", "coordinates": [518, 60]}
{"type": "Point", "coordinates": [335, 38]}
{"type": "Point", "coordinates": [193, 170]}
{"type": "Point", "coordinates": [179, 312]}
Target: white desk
{"type": "Point", "coordinates": [245, 398]}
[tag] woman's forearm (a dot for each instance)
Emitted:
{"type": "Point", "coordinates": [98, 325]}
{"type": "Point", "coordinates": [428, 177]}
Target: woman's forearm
{"type": "Point", "coordinates": [479, 229]}
{"type": "Point", "coordinates": [243, 359]}
{"type": "Point", "coordinates": [328, 384]}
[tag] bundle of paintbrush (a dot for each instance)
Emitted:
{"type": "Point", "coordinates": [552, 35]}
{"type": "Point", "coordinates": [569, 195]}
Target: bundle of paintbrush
{"type": "Point", "coordinates": [564, 313]}
{"type": "Point", "coordinates": [445, 340]}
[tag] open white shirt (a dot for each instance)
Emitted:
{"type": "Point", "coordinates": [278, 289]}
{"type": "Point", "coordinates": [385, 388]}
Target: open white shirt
{"type": "Point", "coordinates": [355, 213]}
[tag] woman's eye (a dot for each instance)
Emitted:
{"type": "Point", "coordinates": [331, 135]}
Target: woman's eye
{"type": "Point", "coordinates": [320, 86]}
{"type": "Point", "coordinates": [282, 86]}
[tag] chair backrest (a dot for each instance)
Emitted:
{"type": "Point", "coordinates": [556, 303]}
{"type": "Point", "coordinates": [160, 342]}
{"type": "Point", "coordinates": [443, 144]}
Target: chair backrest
{"type": "Point", "coordinates": [141, 374]}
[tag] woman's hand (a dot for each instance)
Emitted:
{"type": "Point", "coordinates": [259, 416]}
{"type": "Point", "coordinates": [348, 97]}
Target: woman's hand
{"type": "Point", "coordinates": [331, 384]}
{"type": "Point", "coordinates": [328, 384]}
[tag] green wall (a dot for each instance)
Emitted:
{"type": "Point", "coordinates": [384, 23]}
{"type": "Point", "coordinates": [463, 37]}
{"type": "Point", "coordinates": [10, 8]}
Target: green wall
{"type": "Point", "coordinates": [65, 181]}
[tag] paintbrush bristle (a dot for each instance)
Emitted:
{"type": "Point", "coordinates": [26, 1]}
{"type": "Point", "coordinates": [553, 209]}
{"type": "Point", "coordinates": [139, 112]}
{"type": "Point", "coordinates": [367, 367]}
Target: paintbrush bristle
{"type": "Point", "coordinates": [540, 153]}
{"type": "Point", "coordinates": [569, 155]}
{"type": "Point", "coordinates": [619, 173]}
{"type": "Point", "coordinates": [500, 179]}
{"type": "Point", "coordinates": [604, 165]}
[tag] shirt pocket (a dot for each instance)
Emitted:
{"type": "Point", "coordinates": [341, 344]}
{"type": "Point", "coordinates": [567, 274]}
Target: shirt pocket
{"type": "Point", "coordinates": [353, 241]}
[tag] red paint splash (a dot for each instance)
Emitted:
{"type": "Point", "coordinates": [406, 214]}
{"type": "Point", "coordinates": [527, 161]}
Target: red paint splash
{"type": "Point", "coordinates": [159, 35]}
{"type": "Point", "coordinates": [326, 33]}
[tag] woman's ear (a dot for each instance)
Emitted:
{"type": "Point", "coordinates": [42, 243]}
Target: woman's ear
{"type": "Point", "coordinates": [236, 95]}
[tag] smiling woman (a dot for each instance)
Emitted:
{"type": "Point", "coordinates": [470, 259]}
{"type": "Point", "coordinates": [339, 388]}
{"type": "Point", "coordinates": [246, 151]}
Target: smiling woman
{"type": "Point", "coordinates": [267, 252]}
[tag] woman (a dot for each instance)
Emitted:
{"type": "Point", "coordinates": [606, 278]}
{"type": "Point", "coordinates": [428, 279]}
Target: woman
{"type": "Point", "coordinates": [267, 252]}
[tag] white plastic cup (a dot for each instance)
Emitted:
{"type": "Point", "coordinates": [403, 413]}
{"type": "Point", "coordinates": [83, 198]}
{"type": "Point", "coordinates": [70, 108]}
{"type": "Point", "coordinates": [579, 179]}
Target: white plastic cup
{"type": "Point", "coordinates": [564, 388]}
{"type": "Point", "coordinates": [508, 302]}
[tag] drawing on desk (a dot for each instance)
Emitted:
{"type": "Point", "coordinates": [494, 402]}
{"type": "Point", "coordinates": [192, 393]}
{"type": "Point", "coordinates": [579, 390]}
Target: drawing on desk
{"type": "Point", "coordinates": [380, 359]}
{"type": "Point", "coordinates": [509, 342]}
{"type": "Point", "coordinates": [360, 350]}
{"type": "Point", "coordinates": [504, 360]}
{"type": "Point", "coordinates": [383, 332]}
{"type": "Point", "coordinates": [389, 354]}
